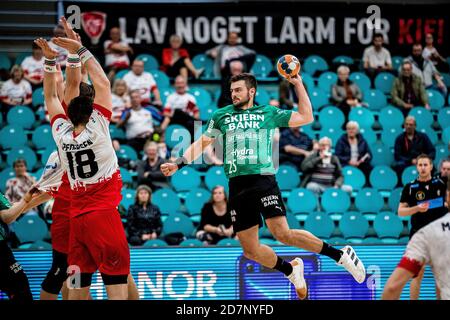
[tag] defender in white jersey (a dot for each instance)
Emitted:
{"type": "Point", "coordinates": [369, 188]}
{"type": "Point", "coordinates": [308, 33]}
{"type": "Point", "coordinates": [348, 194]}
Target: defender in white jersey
{"type": "Point", "coordinates": [97, 238]}
{"type": "Point", "coordinates": [430, 245]}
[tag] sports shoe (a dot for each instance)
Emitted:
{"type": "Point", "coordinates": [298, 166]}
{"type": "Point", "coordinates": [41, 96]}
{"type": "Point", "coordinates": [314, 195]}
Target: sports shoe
{"type": "Point", "coordinates": [350, 261]}
{"type": "Point", "coordinates": [297, 279]}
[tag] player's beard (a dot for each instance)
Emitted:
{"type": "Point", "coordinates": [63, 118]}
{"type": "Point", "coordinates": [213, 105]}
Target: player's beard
{"type": "Point", "coordinates": [240, 104]}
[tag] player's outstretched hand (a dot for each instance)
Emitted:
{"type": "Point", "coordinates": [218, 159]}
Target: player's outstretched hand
{"type": "Point", "coordinates": [71, 34]}
{"type": "Point", "coordinates": [32, 192]}
{"type": "Point", "coordinates": [48, 52]}
{"type": "Point", "coordinates": [169, 169]}
{"type": "Point", "coordinates": [66, 43]}
{"type": "Point", "coordinates": [296, 80]}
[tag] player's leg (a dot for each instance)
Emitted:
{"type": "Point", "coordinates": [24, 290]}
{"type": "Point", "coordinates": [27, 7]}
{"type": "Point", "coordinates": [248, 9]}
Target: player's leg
{"type": "Point", "coordinates": [116, 286]}
{"type": "Point", "coordinates": [133, 293]}
{"type": "Point", "coordinates": [414, 289]}
{"type": "Point", "coordinates": [395, 284]}
{"type": "Point", "coordinates": [57, 275]}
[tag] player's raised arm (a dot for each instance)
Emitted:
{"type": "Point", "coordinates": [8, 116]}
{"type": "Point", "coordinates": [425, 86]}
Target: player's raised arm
{"type": "Point", "coordinates": [304, 115]}
{"type": "Point", "coordinates": [50, 87]}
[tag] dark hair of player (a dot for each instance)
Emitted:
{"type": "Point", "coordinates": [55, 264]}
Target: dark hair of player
{"type": "Point", "coordinates": [86, 90]}
{"type": "Point", "coordinates": [250, 80]}
{"type": "Point", "coordinates": [424, 156]}
{"type": "Point", "coordinates": [80, 109]}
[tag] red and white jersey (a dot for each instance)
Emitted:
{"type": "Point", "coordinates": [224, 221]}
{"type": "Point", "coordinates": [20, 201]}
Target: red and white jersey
{"type": "Point", "coordinates": [145, 83]}
{"type": "Point", "coordinates": [119, 60]}
{"type": "Point", "coordinates": [16, 91]}
{"type": "Point", "coordinates": [119, 106]}
{"type": "Point", "coordinates": [33, 68]}
{"type": "Point", "coordinates": [185, 102]}
{"type": "Point", "coordinates": [54, 179]}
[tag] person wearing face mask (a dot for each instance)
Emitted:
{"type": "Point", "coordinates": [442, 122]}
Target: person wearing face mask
{"type": "Point", "coordinates": [345, 93]}
{"type": "Point", "coordinates": [408, 90]}
{"type": "Point", "coordinates": [148, 169]}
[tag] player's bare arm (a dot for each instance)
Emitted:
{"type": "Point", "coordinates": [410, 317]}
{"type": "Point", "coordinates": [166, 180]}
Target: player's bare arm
{"type": "Point", "coordinates": [10, 215]}
{"type": "Point", "coordinates": [52, 102]}
{"type": "Point", "coordinates": [193, 152]}
{"type": "Point", "coordinates": [404, 210]}
{"type": "Point", "coordinates": [304, 114]}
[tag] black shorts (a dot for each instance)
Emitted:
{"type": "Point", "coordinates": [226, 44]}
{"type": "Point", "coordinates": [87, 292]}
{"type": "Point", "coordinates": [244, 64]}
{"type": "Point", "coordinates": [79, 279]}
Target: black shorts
{"type": "Point", "coordinates": [252, 196]}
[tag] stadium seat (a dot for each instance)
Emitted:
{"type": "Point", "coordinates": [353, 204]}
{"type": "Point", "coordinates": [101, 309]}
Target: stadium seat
{"type": "Point", "coordinates": [185, 179]}
{"type": "Point", "coordinates": [363, 116]}
{"type": "Point", "coordinates": [368, 200]}
{"type": "Point", "coordinates": [320, 224]}
{"type": "Point", "coordinates": [381, 155]}
{"type": "Point", "coordinates": [318, 97]}
{"type": "Point", "coordinates": [375, 99]}
{"type": "Point", "coordinates": [21, 116]}
{"type": "Point", "coordinates": [127, 152]}
{"type": "Point", "coordinates": [301, 200]}
{"type": "Point", "coordinates": [326, 81]}
{"type": "Point", "coordinates": [361, 80]}
{"type": "Point", "coordinates": [227, 242]}
{"type": "Point", "coordinates": [121, 73]}
{"type": "Point", "coordinates": [339, 60]}
{"type": "Point", "coordinates": [30, 228]}
{"type": "Point", "coordinates": [287, 177]}
{"type": "Point", "coordinates": [176, 134]}
{"type": "Point", "coordinates": [308, 80]}
{"type": "Point", "coordinates": [383, 178]}
{"type": "Point", "coordinates": [390, 117]}
{"type": "Point", "coordinates": [24, 153]}
{"type": "Point", "coordinates": [314, 63]}
{"type": "Point", "coordinates": [128, 197]}
{"type": "Point", "coordinates": [5, 175]}
{"type": "Point", "coordinates": [178, 222]}
{"type": "Point", "coordinates": [5, 62]}
{"type": "Point", "coordinates": [150, 62]}
{"type": "Point", "coordinates": [20, 57]}
{"type": "Point", "coordinates": [195, 200]}
{"type": "Point", "coordinates": [40, 245]}
{"type": "Point", "coordinates": [203, 61]}
{"type": "Point", "coordinates": [388, 225]}
{"type": "Point", "coordinates": [335, 200]}
{"type": "Point", "coordinates": [331, 117]}
{"type": "Point", "coordinates": [409, 174]}
{"type": "Point", "coordinates": [431, 134]}
{"type": "Point", "coordinates": [369, 135]}
{"type": "Point", "coordinates": [191, 243]}
{"type": "Point", "coordinates": [333, 133]}
{"type": "Point", "coordinates": [155, 243]}
{"type": "Point", "coordinates": [269, 242]}
{"type": "Point", "coordinates": [262, 67]}
{"type": "Point", "coordinates": [423, 117]}
{"type": "Point", "coordinates": [42, 137]}
{"type": "Point", "coordinates": [337, 241]}
{"type": "Point", "coordinates": [262, 96]}
{"type": "Point", "coordinates": [396, 62]}
{"type": "Point", "coordinates": [435, 99]}
{"type": "Point", "coordinates": [444, 117]}
{"type": "Point", "coordinates": [202, 96]}
{"type": "Point", "coordinates": [37, 98]}
{"type": "Point", "coordinates": [446, 135]}
{"type": "Point", "coordinates": [127, 177]}
{"type": "Point", "coordinates": [394, 199]}
{"type": "Point", "coordinates": [166, 200]}
{"type": "Point", "coordinates": [116, 133]}
{"type": "Point", "coordinates": [372, 240]}
{"type": "Point", "coordinates": [215, 176]}
{"type": "Point", "coordinates": [389, 135]}
{"type": "Point", "coordinates": [162, 80]}
{"type": "Point", "coordinates": [353, 225]}
{"type": "Point", "coordinates": [441, 153]}
{"type": "Point", "coordinates": [384, 82]}
{"type": "Point", "coordinates": [353, 177]}
{"type": "Point", "coordinates": [206, 113]}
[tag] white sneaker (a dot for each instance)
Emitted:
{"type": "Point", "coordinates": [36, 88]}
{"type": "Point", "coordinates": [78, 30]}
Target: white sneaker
{"type": "Point", "coordinates": [353, 264]}
{"type": "Point", "coordinates": [297, 279]}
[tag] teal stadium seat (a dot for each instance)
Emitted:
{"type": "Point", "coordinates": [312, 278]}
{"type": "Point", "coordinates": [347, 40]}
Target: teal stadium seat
{"type": "Point", "coordinates": [444, 117]}
{"type": "Point", "coordinates": [128, 197]}
{"type": "Point", "coordinates": [301, 200]}
{"type": "Point", "coordinates": [262, 96]}
{"type": "Point", "coordinates": [331, 117]}
{"type": "Point", "coordinates": [40, 245]}
{"type": "Point", "coordinates": [121, 73]}
{"type": "Point", "coordinates": [202, 96]}
{"type": "Point", "coordinates": [390, 117]}
{"type": "Point", "coordinates": [441, 153]}
{"type": "Point", "coordinates": [191, 243]}
{"type": "Point", "coordinates": [178, 222]}
{"type": "Point", "coordinates": [116, 133]}
{"type": "Point", "coordinates": [314, 63]}
{"type": "Point", "coordinates": [195, 199]}
{"type": "Point", "coordinates": [166, 200]}
{"type": "Point", "coordinates": [127, 152]}
{"type": "Point", "coordinates": [155, 243]}
{"type": "Point", "coordinates": [320, 224]}
{"type": "Point", "coordinates": [388, 225]}
{"type": "Point", "coordinates": [435, 99]}
{"type": "Point", "coordinates": [423, 117]}
{"type": "Point", "coordinates": [396, 62]}
{"type": "Point", "coordinates": [262, 67]}
{"type": "Point", "coordinates": [24, 153]}
{"type": "Point", "coordinates": [331, 132]}
{"type": "Point", "coordinates": [381, 154]}
{"type": "Point", "coordinates": [318, 97]}
{"type": "Point", "coordinates": [287, 177]}
{"type": "Point", "coordinates": [361, 80]}
{"type": "Point", "coordinates": [394, 199]}
{"type": "Point", "coordinates": [346, 60]}
{"type": "Point", "coordinates": [5, 175]}
{"type": "Point", "coordinates": [409, 174]}
{"type": "Point", "coordinates": [369, 135]}
{"type": "Point", "coordinates": [150, 62]}
{"type": "Point", "coordinates": [30, 228]}
{"type": "Point", "coordinates": [308, 81]}
{"type": "Point", "coordinates": [37, 98]}
{"type": "Point", "coordinates": [203, 61]}
{"type": "Point", "coordinates": [353, 225]}
{"type": "Point", "coordinates": [42, 137]}
{"type": "Point", "coordinates": [326, 81]}
{"type": "Point", "coordinates": [389, 135]}
{"type": "Point", "coordinates": [162, 80]}
{"type": "Point", "coordinates": [5, 62]}
{"type": "Point", "coordinates": [127, 177]}
{"type": "Point", "coordinates": [21, 116]}
{"type": "Point", "coordinates": [206, 113]}
{"type": "Point", "coordinates": [375, 98]}
{"type": "Point", "coordinates": [354, 177]}
{"type": "Point", "coordinates": [335, 200]}
{"type": "Point", "coordinates": [363, 116]}
{"type": "Point", "coordinates": [383, 178]}
{"type": "Point", "coordinates": [384, 82]}
{"type": "Point", "coordinates": [227, 242]}
{"type": "Point", "coordinates": [369, 202]}
{"type": "Point", "coordinates": [446, 135]}
{"type": "Point", "coordinates": [431, 134]}
{"type": "Point", "coordinates": [185, 179]}
{"type": "Point", "coordinates": [215, 176]}
{"type": "Point", "coordinates": [20, 57]}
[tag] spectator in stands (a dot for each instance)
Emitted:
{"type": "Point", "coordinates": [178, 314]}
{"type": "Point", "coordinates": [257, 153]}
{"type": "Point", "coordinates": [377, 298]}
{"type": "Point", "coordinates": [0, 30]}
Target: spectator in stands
{"type": "Point", "coordinates": [16, 91]}
{"type": "Point", "coordinates": [58, 31]}
{"type": "Point", "coordinates": [295, 146]}
{"type": "Point", "coordinates": [138, 79]}
{"type": "Point", "coordinates": [236, 67]}
{"type": "Point", "coordinates": [345, 93]}
{"type": "Point", "coordinates": [116, 53]}
{"type": "Point", "coordinates": [163, 153]}
{"type": "Point", "coordinates": [322, 170]}
{"type": "Point", "coordinates": [288, 100]}
{"type": "Point", "coordinates": [444, 168]}
{"type": "Point", "coordinates": [430, 53]}
{"type": "Point", "coordinates": [33, 66]}
{"type": "Point", "coordinates": [376, 58]}
{"type": "Point", "coordinates": [181, 107]}
{"type": "Point", "coordinates": [408, 90]}
{"type": "Point", "coordinates": [18, 186]}
{"type": "Point", "coordinates": [148, 169]}
{"type": "Point", "coordinates": [224, 54]}
{"type": "Point", "coordinates": [425, 69]}
{"type": "Point", "coordinates": [409, 145]}
{"type": "Point", "coordinates": [176, 61]}
{"type": "Point", "coordinates": [215, 223]}
{"type": "Point", "coordinates": [138, 122]}
{"type": "Point", "coordinates": [353, 150]}
{"type": "Point", "coordinates": [120, 100]}
{"type": "Point", "coordinates": [144, 218]}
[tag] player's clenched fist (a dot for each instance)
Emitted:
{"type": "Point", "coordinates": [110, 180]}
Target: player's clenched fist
{"type": "Point", "coordinates": [169, 169]}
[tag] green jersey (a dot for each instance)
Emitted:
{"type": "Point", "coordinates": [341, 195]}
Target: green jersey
{"type": "Point", "coordinates": [4, 205]}
{"type": "Point", "coordinates": [247, 137]}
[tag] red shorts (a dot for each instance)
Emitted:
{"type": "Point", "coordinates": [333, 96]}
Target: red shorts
{"type": "Point", "coordinates": [60, 228]}
{"type": "Point", "coordinates": [98, 242]}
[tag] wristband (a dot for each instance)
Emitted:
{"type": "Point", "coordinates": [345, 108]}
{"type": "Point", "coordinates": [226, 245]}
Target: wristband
{"type": "Point", "coordinates": [50, 65]}
{"type": "Point", "coordinates": [84, 54]}
{"type": "Point", "coordinates": [73, 61]}
{"type": "Point", "coordinates": [181, 162]}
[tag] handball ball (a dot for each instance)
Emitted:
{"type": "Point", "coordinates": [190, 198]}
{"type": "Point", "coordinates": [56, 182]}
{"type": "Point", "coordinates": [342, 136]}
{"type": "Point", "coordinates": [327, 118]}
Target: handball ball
{"type": "Point", "coordinates": [288, 66]}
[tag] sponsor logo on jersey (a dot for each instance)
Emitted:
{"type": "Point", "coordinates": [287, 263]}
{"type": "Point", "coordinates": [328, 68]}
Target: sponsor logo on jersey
{"type": "Point", "coordinates": [71, 147]}
{"type": "Point", "coordinates": [58, 127]}
{"type": "Point", "coordinates": [420, 195]}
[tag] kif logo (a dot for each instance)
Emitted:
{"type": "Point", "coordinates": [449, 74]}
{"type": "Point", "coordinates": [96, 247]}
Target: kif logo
{"type": "Point", "coordinates": [94, 23]}
{"type": "Point", "coordinates": [59, 126]}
